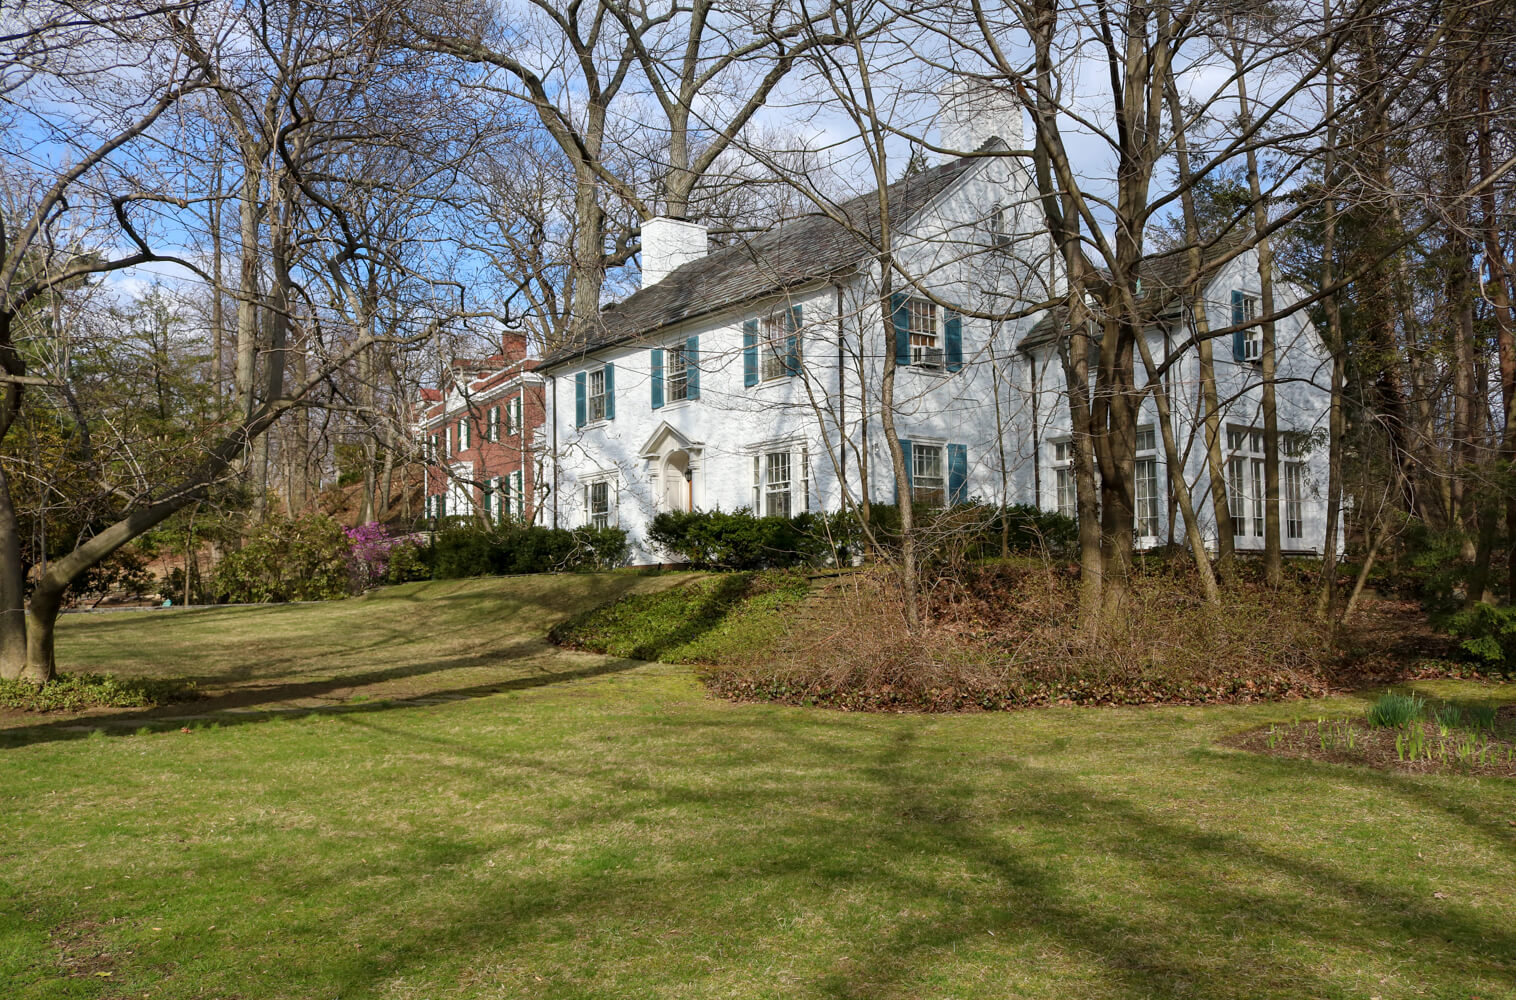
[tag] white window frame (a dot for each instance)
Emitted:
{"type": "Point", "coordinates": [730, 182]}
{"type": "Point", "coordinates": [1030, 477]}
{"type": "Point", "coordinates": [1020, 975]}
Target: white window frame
{"type": "Point", "coordinates": [594, 400]}
{"type": "Point", "coordinates": [610, 516]}
{"type": "Point", "coordinates": [929, 473]}
{"type": "Point", "coordinates": [676, 374]}
{"type": "Point", "coordinates": [1252, 339]}
{"type": "Point", "coordinates": [513, 416]}
{"type": "Point", "coordinates": [1145, 512]}
{"type": "Point", "coordinates": [796, 489]}
{"type": "Point", "coordinates": [923, 323]}
{"type": "Point", "coordinates": [1002, 227]}
{"type": "Point", "coordinates": [465, 432]}
{"type": "Point", "coordinates": [1244, 469]}
{"type": "Point", "coordinates": [1293, 476]}
{"type": "Point", "coordinates": [774, 345]}
{"type": "Point", "coordinates": [1065, 488]}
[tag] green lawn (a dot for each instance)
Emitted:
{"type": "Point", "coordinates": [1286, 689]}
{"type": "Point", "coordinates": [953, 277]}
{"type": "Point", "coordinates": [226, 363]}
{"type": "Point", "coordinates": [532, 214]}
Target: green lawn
{"type": "Point", "coordinates": [469, 812]}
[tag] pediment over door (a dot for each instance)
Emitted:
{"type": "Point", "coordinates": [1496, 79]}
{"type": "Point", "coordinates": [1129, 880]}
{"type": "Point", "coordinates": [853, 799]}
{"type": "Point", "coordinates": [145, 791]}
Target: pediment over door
{"type": "Point", "coordinates": [666, 439]}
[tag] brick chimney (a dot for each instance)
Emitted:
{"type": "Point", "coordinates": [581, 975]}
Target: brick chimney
{"type": "Point", "coordinates": [513, 346]}
{"type": "Point", "coordinates": [667, 244]}
{"type": "Point", "coordinates": [975, 111]}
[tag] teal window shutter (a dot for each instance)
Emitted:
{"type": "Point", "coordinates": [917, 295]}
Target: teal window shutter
{"type": "Point", "coordinates": [958, 473]}
{"type": "Point", "coordinates": [902, 319]}
{"type": "Point", "coordinates": [610, 392]}
{"type": "Point", "coordinates": [909, 455]}
{"type": "Point", "coordinates": [1239, 337]}
{"type": "Point", "coordinates": [952, 330]}
{"type": "Point", "coordinates": [792, 344]}
{"type": "Point", "coordinates": [657, 380]}
{"type": "Point", "coordinates": [579, 401]}
{"type": "Point", "coordinates": [692, 368]}
{"type": "Point", "coordinates": [750, 353]}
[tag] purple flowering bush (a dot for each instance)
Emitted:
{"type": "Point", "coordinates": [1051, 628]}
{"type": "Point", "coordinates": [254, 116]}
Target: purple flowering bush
{"type": "Point", "coordinates": [370, 548]}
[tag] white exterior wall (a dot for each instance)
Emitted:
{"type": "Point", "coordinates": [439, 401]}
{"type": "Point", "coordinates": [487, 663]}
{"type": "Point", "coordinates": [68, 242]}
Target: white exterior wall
{"type": "Point", "coordinates": [944, 251]}
{"type": "Point", "coordinates": [1301, 392]}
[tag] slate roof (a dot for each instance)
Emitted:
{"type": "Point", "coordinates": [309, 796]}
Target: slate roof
{"type": "Point", "coordinates": [1162, 281]}
{"type": "Point", "coordinates": [791, 253]}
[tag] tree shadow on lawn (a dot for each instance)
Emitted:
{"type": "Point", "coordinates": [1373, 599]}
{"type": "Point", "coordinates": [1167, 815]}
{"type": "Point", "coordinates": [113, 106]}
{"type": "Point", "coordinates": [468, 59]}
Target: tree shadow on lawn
{"type": "Point", "coordinates": [917, 834]}
{"type": "Point", "coordinates": [233, 707]}
{"type": "Point", "coordinates": [1413, 788]}
{"type": "Point", "coordinates": [279, 648]}
{"type": "Point", "coordinates": [1143, 954]}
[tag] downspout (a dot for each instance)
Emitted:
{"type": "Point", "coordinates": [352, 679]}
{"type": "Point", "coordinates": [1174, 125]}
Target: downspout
{"type": "Point", "coordinates": [521, 448]}
{"type": "Point", "coordinates": [1034, 390]}
{"type": "Point", "coordinates": [556, 483]}
{"type": "Point", "coordinates": [841, 399]}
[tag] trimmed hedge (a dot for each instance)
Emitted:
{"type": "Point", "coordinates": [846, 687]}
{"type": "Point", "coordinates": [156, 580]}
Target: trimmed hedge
{"type": "Point", "coordinates": [740, 540]}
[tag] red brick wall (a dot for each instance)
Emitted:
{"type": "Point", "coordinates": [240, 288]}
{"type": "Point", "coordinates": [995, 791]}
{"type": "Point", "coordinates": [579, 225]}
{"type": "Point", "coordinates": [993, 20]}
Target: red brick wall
{"type": "Point", "coordinates": [488, 459]}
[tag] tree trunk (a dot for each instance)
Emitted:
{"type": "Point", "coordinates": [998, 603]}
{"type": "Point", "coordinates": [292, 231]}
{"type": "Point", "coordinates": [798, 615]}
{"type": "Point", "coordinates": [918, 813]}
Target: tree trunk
{"type": "Point", "coordinates": [12, 587]}
{"type": "Point", "coordinates": [1273, 555]}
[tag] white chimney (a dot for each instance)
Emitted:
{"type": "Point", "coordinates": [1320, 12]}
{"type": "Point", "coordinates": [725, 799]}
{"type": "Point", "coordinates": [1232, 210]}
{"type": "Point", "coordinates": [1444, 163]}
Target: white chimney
{"type": "Point", "coordinates": [975, 111]}
{"type": "Point", "coordinates": [669, 243]}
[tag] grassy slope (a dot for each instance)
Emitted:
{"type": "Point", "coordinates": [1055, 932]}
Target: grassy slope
{"type": "Point", "coordinates": [623, 835]}
{"type": "Point", "coordinates": [715, 619]}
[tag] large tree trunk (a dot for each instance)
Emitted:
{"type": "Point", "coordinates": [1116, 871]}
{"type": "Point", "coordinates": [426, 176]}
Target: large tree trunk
{"type": "Point", "coordinates": [1273, 554]}
{"type": "Point", "coordinates": [1179, 485]}
{"type": "Point", "coordinates": [12, 587]}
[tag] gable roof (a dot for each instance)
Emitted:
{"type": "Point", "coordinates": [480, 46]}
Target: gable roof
{"type": "Point", "coordinates": [1161, 280]}
{"type": "Point", "coordinates": [790, 253]}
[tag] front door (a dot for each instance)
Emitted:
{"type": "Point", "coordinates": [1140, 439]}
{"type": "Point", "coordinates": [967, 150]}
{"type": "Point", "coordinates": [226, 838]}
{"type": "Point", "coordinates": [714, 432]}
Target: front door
{"type": "Point", "coordinates": [676, 484]}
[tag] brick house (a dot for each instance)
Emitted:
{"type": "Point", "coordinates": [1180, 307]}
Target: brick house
{"type": "Point", "coordinates": [478, 434]}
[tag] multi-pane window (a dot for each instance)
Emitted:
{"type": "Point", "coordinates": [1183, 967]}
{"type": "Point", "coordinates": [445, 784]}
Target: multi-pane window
{"type": "Point", "coordinates": [463, 434]}
{"type": "Point", "coordinates": [928, 484]}
{"type": "Point", "coordinates": [1252, 341]}
{"type": "Point", "coordinates": [775, 481]}
{"type": "Point", "coordinates": [434, 448]}
{"type": "Point", "coordinates": [781, 482]}
{"type": "Point", "coordinates": [513, 415]}
{"type": "Point", "coordinates": [492, 427]}
{"type": "Point", "coordinates": [1294, 498]}
{"type": "Point", "coordinates": [1063, 478]}
{"type": "Point", "coordinates": [1002, 227]}
{"type": "Point", "coordinates": [676, 374]}
{"type": "Point", "coordinates": [595, 397]}
{"type": "Point", "coordinates": [597, 504]}
{"type": "Point", "coordinates": [926, 345]}
{"type": "Point", "coordinates": [775, 360]}
{"type": "Point", "coordinates": [1145, 479]}
{"type": "Point", "coordinates": [1245, 482]}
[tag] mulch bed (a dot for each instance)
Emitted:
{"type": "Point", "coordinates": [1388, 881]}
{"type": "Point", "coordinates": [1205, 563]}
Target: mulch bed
{"type": "Point", "coordinates": [1354, 741]}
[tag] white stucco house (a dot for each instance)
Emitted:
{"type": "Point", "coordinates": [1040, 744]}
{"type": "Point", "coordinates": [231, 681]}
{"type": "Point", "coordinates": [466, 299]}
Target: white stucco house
{"type": "Point", "coordinates": [751, 376]}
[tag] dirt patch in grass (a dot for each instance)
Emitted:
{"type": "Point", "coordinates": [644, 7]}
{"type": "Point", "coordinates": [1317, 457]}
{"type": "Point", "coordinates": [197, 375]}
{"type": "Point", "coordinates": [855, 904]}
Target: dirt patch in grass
{"type": "Point", "coordinates": [84, 950]}
{"type": "Point", "coordinates": [1419, 748]}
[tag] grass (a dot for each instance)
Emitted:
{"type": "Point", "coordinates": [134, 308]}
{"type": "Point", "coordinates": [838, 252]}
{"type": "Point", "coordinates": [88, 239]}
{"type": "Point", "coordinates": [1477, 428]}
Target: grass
{"type": "Point", "coordinates": [500, 818]}
{"type": "Point", "coordinates": [715, 619]}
